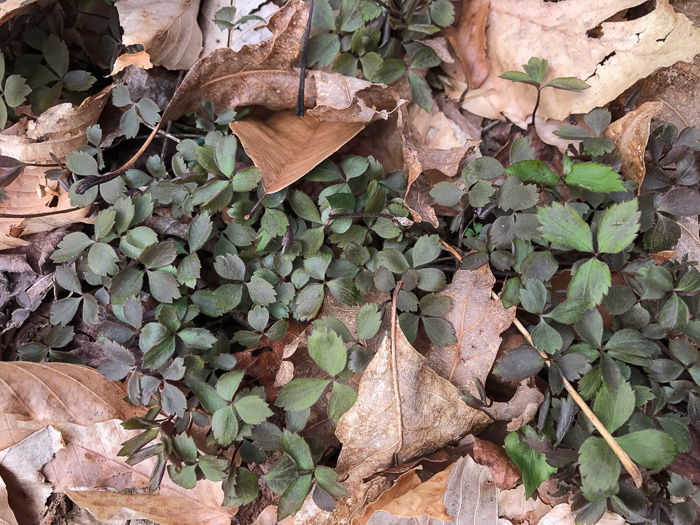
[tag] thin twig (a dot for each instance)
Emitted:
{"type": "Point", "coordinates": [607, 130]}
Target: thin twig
{"type": "Point", "coordinates": [302, 65]}
{"type": "Point", "coordinates": [395, 371]}
{"type": "Point", "coordinates": [31, 215]}
{"type": "Point", "coordinates": [164, 133]}
{"type": "Point", "coordinates": [629, 465]}
{"type": "Point", "coordinates": [692, 235]}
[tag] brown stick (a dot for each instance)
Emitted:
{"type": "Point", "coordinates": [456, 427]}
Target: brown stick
{"type": "Point", "coordinates": [629, 465]}
{"type": "Point", "coordinates": [395, 371]}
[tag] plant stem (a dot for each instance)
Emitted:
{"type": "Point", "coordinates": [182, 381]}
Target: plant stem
{"type": "Point", "coordinates": [630, 467]}
{"type": "Point", "coordinates": [363, 215]}
{"type": "Point", "coordinates": [395, 371]}
{"type": "Point", "coordinates": [537, 104]}
{"type": "Point", "coordinates": [302, 65]}
{"type": "Point", "coordinates": [31, 215]}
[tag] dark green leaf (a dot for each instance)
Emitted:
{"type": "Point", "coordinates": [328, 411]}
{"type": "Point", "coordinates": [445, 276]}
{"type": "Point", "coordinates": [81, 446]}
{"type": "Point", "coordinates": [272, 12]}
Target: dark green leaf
{"type": "Point", "coordinates": [614, 407]}
{"type": "Point", "coordinates": [563, 225]}
{"type": "Point", "coordinates": [342, 399]}
{"type": "Point", "coordinates": [519, 363]}
{"type": "Point", "coordinates": [300, 394]}
{"type": "Point", "coordinates": [298, 449]}
{"type": "Point", "coordinates": [650, 448]}
{"type": "Point", "coordinates": [293, 498]}
{"type": "Point", "coordinates": [224, 424]}
{"type": "Point", "coordinates": [591, 282]}
{"type": "Point", "coordinates": [599, 468]}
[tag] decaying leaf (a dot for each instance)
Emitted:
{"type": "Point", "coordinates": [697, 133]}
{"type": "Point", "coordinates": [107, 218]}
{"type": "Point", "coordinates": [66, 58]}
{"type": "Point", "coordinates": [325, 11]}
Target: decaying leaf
{"type": "Point", "coordinates": [250, 32]}
{"type": "Point", "coordinates": [167, 29]}
{"type": "Point", "coordinates": [275, 144]}
{"type": "Point", "coordinates": [59, 130]}
{"type": "Point", "coordinates": [578, 42]}
{"type": "Point", "coordinates": [630, 135]}
{"type": "Point", "coordinates": [513, 505]}
{"type": "Point", "coordinates": [406, 482]}
{"type": "Point", "coordinates": [430, 142]}
{"type": "Point", "coordinates": [520, 410]}
{"type": "Point", "coordinates": [504, 472]}
{"type": "Point", "coordinates": [432, 413]}
{"type": "Point", "coordinates": [468, 39]}
{"type": "Point", "coordinates": [12, 7]}
{"type": "Point", "coordinates": [140, 59]}
{"type": "Point", "coordinates": [21, 466]}
{"type": "Point", "coordinates": [34, 395]}
{"type": "Point", "coordinates": [478, 321]}
{"type": "Point", "coordinates": [563, 515]}
{"type": "Point", "coordinates": [94, 477]}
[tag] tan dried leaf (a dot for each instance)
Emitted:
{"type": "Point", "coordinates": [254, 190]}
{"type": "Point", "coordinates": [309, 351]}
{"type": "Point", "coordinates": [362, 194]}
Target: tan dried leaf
{"type": "Point", "coordinates": [11, 8]}
{"type": "Point", "coordinates": [478, 321]}
{"type": "Point", "coordinates": [520, 410]}
{"type": "Point", "coordinates": [275, 144]}
{"type": "Point", "coordinates": [513, 505]}
{"type": "Point", "coordinates": [250, 32]}
{"type": "Point", "coordinates": [140, 59]}
{"type": "Point", "coordinates": [21, 466]}
{"type": "Point", "coordinates": [167, 29]}
{"type": "Point", "coordinates": [406, 482]}
{"type": "Point", "coordinates": [94, 477]}
{"type": "Point", "coordinates": [468, 39]}
{"type": "Point", "coordinates": [504, 472]}
{"type": "Point", "coordinates": [59, 130]}
{"type": "Point", "coordinates": [33, 395]}
{"type": "Point", "coordinates": [625, 52]}
{"type": "Point", "coordinates": [563, 515]}
{"type": "Point", "coordinates": [7, 517]}
{"type": "Point", "coordinates": [432, 414]}
{"type": "Point", "coordinates": [630, 135]}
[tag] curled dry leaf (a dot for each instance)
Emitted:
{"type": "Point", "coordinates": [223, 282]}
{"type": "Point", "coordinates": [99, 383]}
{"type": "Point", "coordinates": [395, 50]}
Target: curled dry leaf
{"type": "Point", "coordinates": [504, 472]}
{"type": "Point", "coordinates": [430, 142]}
{"type": "Point", "coordinates": [21, 466]}
{"type": "Point", "coordinates": [94, 477]}
{"type": "Point", "coordinates": [10, 8]}
{"type": "Point", "coordinates": [630, 135]}
{"type": "Point", "coordinates": [520, 410]}
{"type": "Point", "coordinates": [624, 52]}
{"type": "Point", "coordinates": [250, 32]}
{"type": "Point", "coordinates": [468, 39]}
{"type": "Point", "coordinates": [59, 130]}
{"type": "Point", "coordinates": [478, 321]}
{"type": "Point", "coordinates": [33, 395]}
{"type": "Point", "coordinates": [432, 413]}
{"type": "Point", "coordinates": [167, 29]}
{"type": "Point", "coordinates": [406, 482]}
{"type": "Point", "coordinates": [275, 144]}
{"type": "Point", "coordinates": [140, 59]}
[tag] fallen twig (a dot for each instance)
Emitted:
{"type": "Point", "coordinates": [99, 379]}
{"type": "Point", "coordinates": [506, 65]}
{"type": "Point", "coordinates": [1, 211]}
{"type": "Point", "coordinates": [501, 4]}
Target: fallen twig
{"type": "Point", "coordinates": [395, 371]}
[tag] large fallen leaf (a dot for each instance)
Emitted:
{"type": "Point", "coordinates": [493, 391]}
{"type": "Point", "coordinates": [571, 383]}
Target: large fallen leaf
{"type": "Point", "coordinates": [630, 134]}
{"type": "Point", "coordinates": [250, 32]}
{"type": "Point", "coordinates": [21, 466]}
{"type": "Point", "coordinates": [59, 130]}
{"type": "Point", "coordinates": [274, 144]}
{"type": "Point", "coordinates": [167, 29]}
{"type": "Point", "coordinates": [94, 477]}
{"type": "Point", "coordinates": [478, 321]}
{"type": "Point", "coordinates": [431, 415]}
{"type": "Point", "coordinates": [563, 515]}
{"type": "Point", "coordinates": [463, 494]}
{"type": "Point", "coordinates": [33, 395]}
{"type": "Point", "coordinates": [468, 39]}
{"type": "Point", "coordinates": [577, 40]}
{"type": "Point", "coordinates": [7, 517]}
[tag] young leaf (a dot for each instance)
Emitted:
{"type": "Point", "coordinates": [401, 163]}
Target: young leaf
{"type": "Point", "coordinates": [618, 227]}
{"type": "Point", "coordinates": [614, 407]}
{"type": "Point", "coordinates": [599, 468]}
{"type": "Point", "coordinates": [532, 464]}
{"type": "Point", "coordinates": [293, 498]}
{"type": "Point", "coordinates": [300, 394]}
{"type": "Point", "coordinates": [591, 282]}
{"type": "Point", "coordinates": [342, 399]}
{"type": "Point", "coordinates": [327, 349]}
{"type": "Point", "coordinates": [534, 171]}
{"type": "Point", "coordinates": [651, 448]}
{"type": "Point", "coordinates": [563, 225]}
{"type": "Point", "coordinates": [567, 84]}
{"type": "Point", "coordinates": [252, 409]}
{"type": "Point", "coordinates": [368, 321]}
{"type": "Point", "coordinates": [328, 481]}
{"type": "Point", "coordinates": [224, 424]}
{"type": "Point", "coordinates": [594, 177]}
{"type": "Point", "coordinates": [298, 449]}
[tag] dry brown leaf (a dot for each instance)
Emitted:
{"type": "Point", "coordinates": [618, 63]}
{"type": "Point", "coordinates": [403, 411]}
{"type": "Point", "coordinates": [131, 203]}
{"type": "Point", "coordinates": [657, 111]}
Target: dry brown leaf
{"type": "Point", "coordinates": [462, 494]}
{"type": "Point", "coordinates": [406, 482]}
{"type": "Point", "coordinates": [468, 39]}
{"type": "Point", "coordinates": [250, 32]}
{"type": "Point", "coordinates": [7, 517]}
{"type": "Point", "coordinates": [478, 321]}
{"type": "Point", "coordinates": [520, 410]}
{"type": "Point", "coordinates": [563, 515]}
{"type": "Point", "coordinates": [504, 472]}
{"type": "Point", "coordinates": [630, 135]}
{"type": "Point", "coordinates": [11, 8]}
{"type": "Point", "coordinates": [167, 29]}
{"type": "Point", "coordinates": [513, 504]}
{"type": "Point", "coordinates": [21, 466]}
{"type": "Point", "coordinates": [33, 395]}
{"type": "Point", "coordinates": [59, 130]}
{"type": "Point", "coordinates": [559, 32]}
{"type": "Point", "coordinates": [140, 59]}
{"type": "Point", "coordinates": [430, 142]}
{"type": "Point", "coordinates": [275, 144]}
{"type": "Point", "coordinates": [432, 414]}
{"type": "Point", "coordinates": [94, 477]}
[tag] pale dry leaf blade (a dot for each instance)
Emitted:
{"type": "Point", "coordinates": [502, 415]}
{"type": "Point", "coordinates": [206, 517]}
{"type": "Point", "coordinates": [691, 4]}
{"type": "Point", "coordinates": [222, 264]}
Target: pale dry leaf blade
{"type": "Point", "coordinates": [432, 413]}
{"type": "Point", "coordinates": [478, 321]}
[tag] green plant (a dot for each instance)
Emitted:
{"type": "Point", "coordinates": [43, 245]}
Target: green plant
{"type": "Point", "coordinates": [374, 37]}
